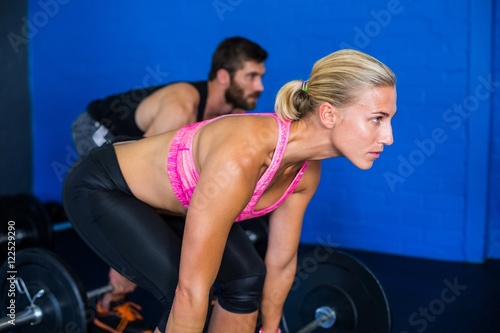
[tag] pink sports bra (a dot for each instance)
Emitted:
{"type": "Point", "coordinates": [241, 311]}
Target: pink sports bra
{"type": "Point", "coordinates": [184, 177]}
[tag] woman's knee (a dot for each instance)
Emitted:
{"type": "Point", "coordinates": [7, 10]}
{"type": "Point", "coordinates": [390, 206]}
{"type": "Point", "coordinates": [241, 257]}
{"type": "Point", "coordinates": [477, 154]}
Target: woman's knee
{"type": "Point", "coordinates": [241, 295]}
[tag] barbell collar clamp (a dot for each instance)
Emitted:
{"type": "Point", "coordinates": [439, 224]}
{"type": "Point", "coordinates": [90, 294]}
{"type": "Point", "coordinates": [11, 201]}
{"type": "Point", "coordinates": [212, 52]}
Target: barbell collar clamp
{"type": "Point", "coordinates": [32, 315]}
{"type": "Point", "coordinates": [324, 316]}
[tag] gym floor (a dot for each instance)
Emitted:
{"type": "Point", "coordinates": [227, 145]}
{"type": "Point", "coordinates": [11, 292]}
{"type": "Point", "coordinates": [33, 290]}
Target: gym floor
{"type": "Point", "coordinates": [424, 295]}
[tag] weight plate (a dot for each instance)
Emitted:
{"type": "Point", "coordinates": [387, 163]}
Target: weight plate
{"type": "Point", "coordinates": [33, 227]}
{"type": "Point", "coordinates": [343, 283]}
{"type": "Point", "coordinates": [64, 300]}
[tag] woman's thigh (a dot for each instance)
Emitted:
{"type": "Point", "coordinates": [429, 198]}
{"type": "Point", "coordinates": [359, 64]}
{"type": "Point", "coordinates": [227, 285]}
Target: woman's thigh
{"type": "Point", "coordinates": [135, 241]}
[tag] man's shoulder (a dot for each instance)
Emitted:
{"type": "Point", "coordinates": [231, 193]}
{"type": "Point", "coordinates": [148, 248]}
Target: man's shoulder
{"type": "Point", "coordinates": [185, 87]}
{"type": "Point", "coordinates": [187, 84]}
{"type": "Point", "coordinates": [179, 96]}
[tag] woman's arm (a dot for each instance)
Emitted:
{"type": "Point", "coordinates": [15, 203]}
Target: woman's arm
{"type": "Point", "coordinates": [224, 188]}
{"type": "Point", "coordinates": [281, 258]}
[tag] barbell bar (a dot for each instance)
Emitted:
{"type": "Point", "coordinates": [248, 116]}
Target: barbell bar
{"type": "Point", "coordinates": [59, 302]}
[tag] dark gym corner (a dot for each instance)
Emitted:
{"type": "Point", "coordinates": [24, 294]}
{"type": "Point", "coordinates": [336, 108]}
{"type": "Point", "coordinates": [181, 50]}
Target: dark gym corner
{"type": "Point", "coordinates": [15, 115]}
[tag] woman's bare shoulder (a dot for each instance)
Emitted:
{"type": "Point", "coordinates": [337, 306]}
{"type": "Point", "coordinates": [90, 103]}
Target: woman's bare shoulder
{"type": "Point", "coordinates": [244, 139]}
{"type": "Point", "coordinates": [247, 124]}
{"type": "Point", "coordinates": [241, 131]}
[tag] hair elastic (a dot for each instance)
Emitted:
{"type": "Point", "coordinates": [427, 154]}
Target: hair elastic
{"type": "Point", "coordinates": [305, 85]}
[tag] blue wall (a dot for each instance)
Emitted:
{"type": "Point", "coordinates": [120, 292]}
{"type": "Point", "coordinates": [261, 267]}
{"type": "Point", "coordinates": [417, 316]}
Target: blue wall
{"type": "Point", "coordinates": [428, 194]}
{"type": "Point", "coordinates": [494, 198]}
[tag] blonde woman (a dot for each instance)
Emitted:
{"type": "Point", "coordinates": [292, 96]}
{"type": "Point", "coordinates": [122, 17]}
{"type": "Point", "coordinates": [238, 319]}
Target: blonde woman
{"type": "Point", "coordinates": [221, 171]}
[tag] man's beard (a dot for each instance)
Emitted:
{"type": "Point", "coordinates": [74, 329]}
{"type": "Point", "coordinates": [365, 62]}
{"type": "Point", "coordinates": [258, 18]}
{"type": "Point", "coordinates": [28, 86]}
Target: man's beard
{"type": "Point", "coordinates": [235, 96]}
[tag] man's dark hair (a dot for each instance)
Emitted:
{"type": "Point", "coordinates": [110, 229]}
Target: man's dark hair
{"type": "Point", "coordinates": [232, 53]}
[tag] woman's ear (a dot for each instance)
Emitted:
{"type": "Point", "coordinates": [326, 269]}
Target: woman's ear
{"type": "Point", "coordinates": [328, 114]}
{"type": "Point", "coordinates": [223, 77]}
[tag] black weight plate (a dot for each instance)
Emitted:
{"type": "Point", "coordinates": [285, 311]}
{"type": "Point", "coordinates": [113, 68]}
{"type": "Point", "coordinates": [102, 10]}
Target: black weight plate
{"type": "Point", "coordinates": [335, 279]}
{"type": "Point", "coordinates": [32, 223]}
{"type": "Point", "coordinates": [63, 303]}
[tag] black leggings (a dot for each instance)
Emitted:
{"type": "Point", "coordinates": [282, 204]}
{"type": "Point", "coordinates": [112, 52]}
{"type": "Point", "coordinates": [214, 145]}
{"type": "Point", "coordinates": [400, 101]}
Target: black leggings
{"type": "Point", "coordinates": [143, 246]}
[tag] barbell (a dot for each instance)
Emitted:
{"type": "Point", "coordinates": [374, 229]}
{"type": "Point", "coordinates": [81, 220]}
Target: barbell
{"type": "Point", "coordinates": [48, 294]}
{"type": "Point", "coordinates": [331, 290]}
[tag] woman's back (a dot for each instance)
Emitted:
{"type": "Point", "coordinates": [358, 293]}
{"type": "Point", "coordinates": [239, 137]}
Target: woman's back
{"type": "Point", "coordinates": [220, 144]}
